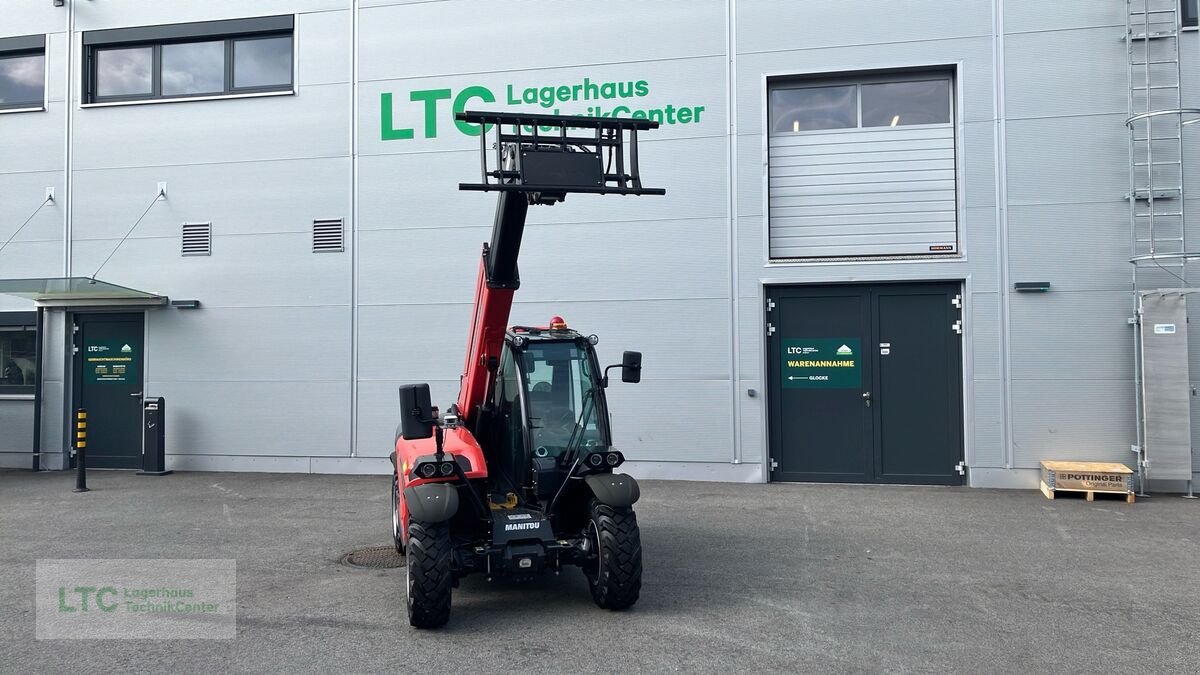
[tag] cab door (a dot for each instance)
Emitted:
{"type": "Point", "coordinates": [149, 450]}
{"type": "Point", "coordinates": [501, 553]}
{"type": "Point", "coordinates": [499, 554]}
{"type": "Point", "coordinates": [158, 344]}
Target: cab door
{"type": "Point", "coordinates": [506, 454]}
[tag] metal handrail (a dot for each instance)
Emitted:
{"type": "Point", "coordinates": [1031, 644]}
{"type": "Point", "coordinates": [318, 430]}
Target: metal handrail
{"type": "Point", "coordinates": [1154, 257]}
{"type": "Point", "coordinates": [1160, 113]}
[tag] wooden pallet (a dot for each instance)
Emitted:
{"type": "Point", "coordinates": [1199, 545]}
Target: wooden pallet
{"type": "Point", "coordinates": [1090, 478]}
{"type": "Point", "coordinates": [1091, 494]}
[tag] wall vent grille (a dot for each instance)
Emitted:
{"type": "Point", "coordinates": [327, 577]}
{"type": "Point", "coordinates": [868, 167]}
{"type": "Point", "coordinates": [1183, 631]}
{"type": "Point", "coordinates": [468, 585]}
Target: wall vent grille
{"type": "Point", "coordinates": [196, 239]}
{"type": "Point", "coordinates": [327, 236]}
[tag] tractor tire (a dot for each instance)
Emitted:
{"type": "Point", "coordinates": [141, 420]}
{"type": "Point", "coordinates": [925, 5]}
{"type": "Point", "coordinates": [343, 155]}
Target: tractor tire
{"type": "Point", "coordinates": [428, 574]}
{"type": "Point", "coordinates": [397, 539]}
{"type": "Point", "coordinates": [615, 578]}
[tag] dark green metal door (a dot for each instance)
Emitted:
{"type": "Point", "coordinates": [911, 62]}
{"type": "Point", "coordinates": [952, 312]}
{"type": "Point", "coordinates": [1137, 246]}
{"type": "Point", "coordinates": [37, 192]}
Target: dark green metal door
{"type": "Point", "coordinates": [820, 423]}
{"type": "Point", "coordinates": [109, 369]}
{"type": "Point", "coordinates": [865, 383]}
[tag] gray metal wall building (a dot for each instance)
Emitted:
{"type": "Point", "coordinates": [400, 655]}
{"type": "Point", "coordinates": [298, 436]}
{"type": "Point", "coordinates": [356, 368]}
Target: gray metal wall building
{"type": "Point", "coordinates": [293, 359]}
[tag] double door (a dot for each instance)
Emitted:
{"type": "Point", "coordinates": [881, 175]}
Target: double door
{"type": "Point", "coordinates": [865, 383]}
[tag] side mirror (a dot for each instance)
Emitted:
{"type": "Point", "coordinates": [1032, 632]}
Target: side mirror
{"type": "Point", "coordinates": [631, 367]}
{"type": "Point", "coordinates": [416, 412]}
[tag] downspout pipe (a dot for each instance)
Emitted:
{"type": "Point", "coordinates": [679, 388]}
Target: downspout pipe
{"type": "Point", "coordinates": [37, 388]}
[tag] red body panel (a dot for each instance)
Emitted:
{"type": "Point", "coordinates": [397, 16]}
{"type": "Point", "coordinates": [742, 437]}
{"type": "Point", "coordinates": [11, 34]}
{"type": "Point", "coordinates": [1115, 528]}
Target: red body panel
{"type": "Point", "coordinates": [488, 323]}
{"type": "Point", "coordinates": [457, 441]}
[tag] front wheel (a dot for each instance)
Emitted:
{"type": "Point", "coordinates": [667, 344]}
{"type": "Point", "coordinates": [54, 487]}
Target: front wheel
{"type": "Point", "coordinates": [428, 574]}
{"type": "Point", "coordinates": [615, 576]}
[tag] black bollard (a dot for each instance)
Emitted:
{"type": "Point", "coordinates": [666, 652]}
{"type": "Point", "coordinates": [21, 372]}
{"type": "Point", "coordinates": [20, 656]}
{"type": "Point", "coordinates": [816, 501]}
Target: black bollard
{"type": "Point", "coordinates": [81, 451]}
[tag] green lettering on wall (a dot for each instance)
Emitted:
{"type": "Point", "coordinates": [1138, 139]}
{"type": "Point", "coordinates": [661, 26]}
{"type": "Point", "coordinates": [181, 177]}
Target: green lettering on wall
{"type": "Point", "coordinates": [430, 97]}
{"type": "Point", "coordinates": [582, 97]}
{"type": "Point", "coordinates": [386, 131]}
{"type": "Point", "coordinates": [460, 104]}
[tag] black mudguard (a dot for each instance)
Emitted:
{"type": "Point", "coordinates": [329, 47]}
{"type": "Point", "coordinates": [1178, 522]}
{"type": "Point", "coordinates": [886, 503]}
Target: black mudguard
{"type": "Point", "coordinates": [432, 502]}
{"type": "Point", "coordinates": [614, 489]}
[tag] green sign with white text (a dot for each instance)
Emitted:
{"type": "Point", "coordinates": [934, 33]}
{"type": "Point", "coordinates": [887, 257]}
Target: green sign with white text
{"type": "Point", "coordinates": [821, 363]}
{"type": "Point", "coordinates": [110, 362]}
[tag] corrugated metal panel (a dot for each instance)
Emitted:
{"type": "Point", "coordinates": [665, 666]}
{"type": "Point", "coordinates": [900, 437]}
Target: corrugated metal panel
{"type": "Point", "coordinates": [987, 446]}
{"type": "Point", "coordinates": [244, 197]}
{"type": "Point", "coordinates": [16, 418]}
{"type": "Point", "coordinates": [1073, 86]}
{"type": "Point", "coordinates": [1166, 391]}
{"type": "Point", "coordinates": [208, 417]}
{"type": "Point", "coordinates": [883, 26]}
{"type": "Point", "coordinates": [278, 267]}
{"type": "Point", "coordinates": [439, 39]}
{"type": "Point", "coordinates": [1073, 420]}
{"type": "Point", "coordinates": [1061, 318]}
{"type": "Point", "coordinates": [866, 192]}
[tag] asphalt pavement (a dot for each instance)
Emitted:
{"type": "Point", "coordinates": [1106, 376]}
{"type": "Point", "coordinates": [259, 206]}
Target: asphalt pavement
{"type": "Point", "coordinates": [738, 578]}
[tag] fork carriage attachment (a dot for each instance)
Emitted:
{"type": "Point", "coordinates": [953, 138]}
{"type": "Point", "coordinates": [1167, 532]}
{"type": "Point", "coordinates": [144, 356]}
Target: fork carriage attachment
{"type": "Point", "coordinates": [547, 156]}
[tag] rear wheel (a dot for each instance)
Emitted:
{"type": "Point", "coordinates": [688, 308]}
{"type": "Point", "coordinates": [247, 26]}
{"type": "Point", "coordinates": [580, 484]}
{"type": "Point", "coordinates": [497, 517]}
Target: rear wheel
{"type": "Point", "coordinates": [615, 576]}
{"type": "Point", "coordinates": [428, 573]}
{"type": "Point", "coordinates": [397, 535]}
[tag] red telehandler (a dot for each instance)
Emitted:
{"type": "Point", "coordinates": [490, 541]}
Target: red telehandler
{"type": "Point", "coordinates": [517, 477]}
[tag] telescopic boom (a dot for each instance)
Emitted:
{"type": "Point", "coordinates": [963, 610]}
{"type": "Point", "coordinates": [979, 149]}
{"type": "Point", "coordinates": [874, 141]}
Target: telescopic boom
{"type": "Point", "coordinates": [534, 159]}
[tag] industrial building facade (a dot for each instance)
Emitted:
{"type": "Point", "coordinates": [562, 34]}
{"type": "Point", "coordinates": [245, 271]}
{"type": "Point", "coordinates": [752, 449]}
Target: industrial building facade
{"type": "Point", "coordinates": [833, 287]}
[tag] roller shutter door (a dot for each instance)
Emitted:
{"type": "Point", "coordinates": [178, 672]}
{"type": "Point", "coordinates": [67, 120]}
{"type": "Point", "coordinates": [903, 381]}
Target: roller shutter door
{"type": "Point", "coordinates": [855, 192]}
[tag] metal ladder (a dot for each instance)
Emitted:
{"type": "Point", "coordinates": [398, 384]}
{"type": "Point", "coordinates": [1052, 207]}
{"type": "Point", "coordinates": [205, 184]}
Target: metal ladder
{"type": "Point", "coordinates": [1156, 122]}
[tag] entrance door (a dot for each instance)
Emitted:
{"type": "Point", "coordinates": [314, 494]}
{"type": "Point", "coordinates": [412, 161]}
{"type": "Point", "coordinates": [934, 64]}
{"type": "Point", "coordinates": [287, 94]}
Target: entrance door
{"type": "Point", "coordinates": [108, 384]}
{"type": "Point", "coordinates": [865, 383]}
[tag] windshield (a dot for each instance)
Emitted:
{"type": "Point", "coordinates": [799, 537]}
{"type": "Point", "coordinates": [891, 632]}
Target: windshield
{"type": "Point", "coordinates": [559, 382]}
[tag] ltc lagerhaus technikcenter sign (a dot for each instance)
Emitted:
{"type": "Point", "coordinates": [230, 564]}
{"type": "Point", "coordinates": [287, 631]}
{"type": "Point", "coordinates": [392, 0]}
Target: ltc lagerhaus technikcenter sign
{"type": "Point", "coordinates": [596, 99]}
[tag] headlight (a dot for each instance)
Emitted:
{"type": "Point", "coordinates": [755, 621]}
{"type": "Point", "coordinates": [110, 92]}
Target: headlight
{"type": "Point", "coordinates": [596, 459]}
{"type": "Point", "coordinates": [613, 459]}
{"type": "Point", "coordinates": [446, 466]}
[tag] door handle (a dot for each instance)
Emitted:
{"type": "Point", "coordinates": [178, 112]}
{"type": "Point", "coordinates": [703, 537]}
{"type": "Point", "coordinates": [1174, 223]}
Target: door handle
{"type": "Point", "coordinates": [867, 398]}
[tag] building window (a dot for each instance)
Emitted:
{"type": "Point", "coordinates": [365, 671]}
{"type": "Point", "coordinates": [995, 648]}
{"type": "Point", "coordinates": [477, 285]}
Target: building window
{"type": "Point", "coordinates": [890, 104]}
{"type": "Point", "coordinates": [1190, 13]}
{"type": "Point", "coordinates": [814, 108]}
{"type": "Point", "coordinates": [862, 166]}
{"type": "Point", "coordinates": [18, 337]}
{"type": "Point", "coordinates": [23, 73]}
{"type": "Point", "coordinates": [212, 58]}
{"type": "Point", "coordinates": [800, 108]}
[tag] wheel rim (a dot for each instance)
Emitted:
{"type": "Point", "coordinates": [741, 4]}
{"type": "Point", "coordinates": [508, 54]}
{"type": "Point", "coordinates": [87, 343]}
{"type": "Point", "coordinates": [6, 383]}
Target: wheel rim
{"type": "Point", "coordinates": [594, 532]}
{"type": "Point", "coordinates": [395, 512]}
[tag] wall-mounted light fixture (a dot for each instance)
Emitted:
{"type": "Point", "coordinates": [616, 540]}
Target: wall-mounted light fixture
{"type": "Point", "coordinates": [185, 304]}
{"type": "Point", "coordinates": [1031, 286]}
{"type": "Point", "coordinates": [59, 3]}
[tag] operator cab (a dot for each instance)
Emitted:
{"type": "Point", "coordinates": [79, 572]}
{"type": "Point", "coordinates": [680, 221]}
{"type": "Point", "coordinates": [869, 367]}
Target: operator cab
{"type": "Point", "coordinates": [562, 389]}
{"type": "Point", "coordinates": [549, 410]}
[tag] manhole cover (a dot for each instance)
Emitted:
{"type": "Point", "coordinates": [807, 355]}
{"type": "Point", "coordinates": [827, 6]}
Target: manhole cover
{"type": "Point", "coordinates": [375, 558]}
